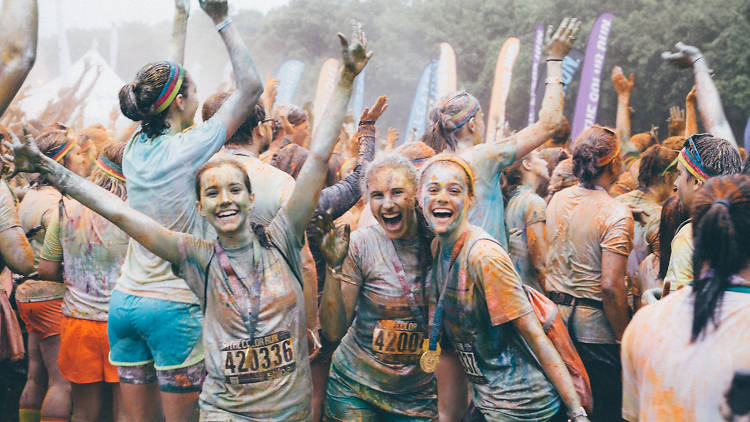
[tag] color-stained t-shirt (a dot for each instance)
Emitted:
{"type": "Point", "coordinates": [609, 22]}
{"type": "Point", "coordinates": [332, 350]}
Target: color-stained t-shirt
{"type": "Point", "coordinates": [384, 343]}
{"type": "Point", "coordinates": [581, 224]}
{"type": "Point", "coordinates": [483, 296]}
{"type": "Point", "coordinates": [271, 186]}
{"type": "Point", "coordinates": [8, 214]}
{"type": "Point", "coordinates": [680, 270]}
{"type": "Point", "coordinates": [160, 175]}
{"type": "Point", "coordinates": [524, 208]}
{"type": "Point", "coordinates": [92, 251]}
{"type": "Point", "coordinates": [272, 380]}
{"type": "Point", "coordinates": [645, 236]}
{"type": "Point", "coordinates": [35, 211]}
{"type": "Point", "coordinates": [665, 376]}
{"type": "Point", "coordinates": [488, 161]}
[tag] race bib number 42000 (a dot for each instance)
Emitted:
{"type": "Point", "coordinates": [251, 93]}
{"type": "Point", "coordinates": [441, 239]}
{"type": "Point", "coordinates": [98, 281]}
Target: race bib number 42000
{"type": "Point", "coordinates": [397, 341]}
{"type": "Point", "coordinates": [262, 359]}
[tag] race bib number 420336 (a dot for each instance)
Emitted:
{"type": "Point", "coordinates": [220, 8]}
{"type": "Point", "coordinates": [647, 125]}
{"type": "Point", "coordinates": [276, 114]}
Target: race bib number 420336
{"type": "Point", "coordinates": [397, 341]}
{"type": "Point", "coordinates": [261, 359]}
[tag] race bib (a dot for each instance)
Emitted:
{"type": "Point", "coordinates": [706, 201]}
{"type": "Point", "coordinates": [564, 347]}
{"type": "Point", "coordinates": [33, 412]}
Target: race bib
{"type": "Point", "coordinates": [469, 361]}
{"type": "Point", "coordinates": [397, 341]}
{"type": "Point", "coordinates": [262, 359]}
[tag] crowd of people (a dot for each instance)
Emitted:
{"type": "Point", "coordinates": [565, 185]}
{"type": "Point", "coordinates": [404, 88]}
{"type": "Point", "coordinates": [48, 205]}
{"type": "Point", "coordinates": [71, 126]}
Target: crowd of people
{"type": "Point", "coordinates": [249, 268]}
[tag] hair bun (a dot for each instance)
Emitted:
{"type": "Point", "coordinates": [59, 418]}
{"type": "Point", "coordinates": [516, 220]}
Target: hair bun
{"type": "Point", "coordinates": [129, 103]}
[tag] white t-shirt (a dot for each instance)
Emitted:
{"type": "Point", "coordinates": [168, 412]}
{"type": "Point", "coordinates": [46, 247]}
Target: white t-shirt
{"type": "Point", "coordinates": [668, 378]}
{"type": "Point", "coordinates": [160, 174]}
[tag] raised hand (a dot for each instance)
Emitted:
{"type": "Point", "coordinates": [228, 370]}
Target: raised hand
{"type": "Point", "coordinates": [654, 132]}
{"type": "Point", "coordinates": [217, 10]}
{"type": "Point", "coordinates": [355, 55]}
{"type": "Point", "coordinates": [182, 6]}
{"type": "Point", "coordinates": [334, 243]}
{"type": "Point", "coordinates": [392, 139]}
{"type": "Point", "coordinates": [26, 155]}
{"type": "Point", "coordinates": [558, 45]}
{"type": "Point", "coordinates": [623, 85]}
{"type": "Point", "coordinates": [691, 96]}
{"type": "Point", "coordinates": [269, 94]}
{"type": "Point", "coordinates": [685, 56]}
{"type": "Point", "coordinates": [676, 121]}
{"type": "Point", "coordinates": [373, 113]}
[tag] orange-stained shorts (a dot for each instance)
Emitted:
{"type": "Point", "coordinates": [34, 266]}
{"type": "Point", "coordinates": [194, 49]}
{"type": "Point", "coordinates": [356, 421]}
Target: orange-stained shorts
{"type": "Point", "coordinates": [41, 318]}
{"type": "Point", "coordinates": [84, 352]}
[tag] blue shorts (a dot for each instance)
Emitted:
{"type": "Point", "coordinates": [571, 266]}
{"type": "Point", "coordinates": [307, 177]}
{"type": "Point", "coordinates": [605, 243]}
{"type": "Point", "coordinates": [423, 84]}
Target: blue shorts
{"type": "Point", "coordinates": [143, 331]}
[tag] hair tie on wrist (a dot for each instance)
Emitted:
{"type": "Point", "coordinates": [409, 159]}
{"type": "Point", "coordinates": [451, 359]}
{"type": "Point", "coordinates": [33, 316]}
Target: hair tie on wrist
{"type": "Point", "coordinates": [554, 60]}
{"type": "Point", "coordinates": [223, 24]}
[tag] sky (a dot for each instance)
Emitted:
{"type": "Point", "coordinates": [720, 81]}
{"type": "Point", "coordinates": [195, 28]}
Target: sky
{"type": "Point", "coordinates": [105, 13]}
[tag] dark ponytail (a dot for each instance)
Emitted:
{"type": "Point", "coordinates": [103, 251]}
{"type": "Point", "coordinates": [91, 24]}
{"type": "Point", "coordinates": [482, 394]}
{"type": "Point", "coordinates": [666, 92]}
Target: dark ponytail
{"type": "Point", "coordinates": [137, 98]}
{"type": "Point", "coordinates": [445, 121]}
{"type": "Point", "coordinates": [593, 145]}
{"type": "Point", "coordinates": [721, 232]}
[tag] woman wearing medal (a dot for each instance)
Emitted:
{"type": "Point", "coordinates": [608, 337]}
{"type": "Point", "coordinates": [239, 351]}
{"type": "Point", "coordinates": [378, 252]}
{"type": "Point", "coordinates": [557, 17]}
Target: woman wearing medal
{"type": "Point", "coordinates": [247, 280]}
{"type": "Point", "coordinates": [375, 373]}
{"type": "Point", "coordinates": [479, 303]}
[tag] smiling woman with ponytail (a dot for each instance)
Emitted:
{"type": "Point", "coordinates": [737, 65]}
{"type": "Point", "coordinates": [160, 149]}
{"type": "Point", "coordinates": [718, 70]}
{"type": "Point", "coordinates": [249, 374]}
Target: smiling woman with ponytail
{"type": "Point", "coordinates": [679, 356]}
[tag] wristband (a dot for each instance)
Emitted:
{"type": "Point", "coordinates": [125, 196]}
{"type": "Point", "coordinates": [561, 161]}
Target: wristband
{"type": "Point", "coordinates": [576, 413]}
{"type": "Point", "coordinates": [366, 122]}
{"type": "Point", "coordinates": [223, 24]}
{"type": "Point", "coordinates": [554, 60]}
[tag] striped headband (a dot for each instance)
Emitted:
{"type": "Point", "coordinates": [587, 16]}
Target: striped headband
{"type": "Point", "coordinates": [603, 161]}
{"type": "Point", "coordinates": [691, 159]}
{"type": "Point", "coordinates": [455, 160]}
{"type": "Point", "coordinates": [109, 168]}
{"type": "Point", "coordinates": [171, 88]}
{"type": "Point", "coordinates": [60, 152]}
{"type": "Point", "coordinates": [459, 119]}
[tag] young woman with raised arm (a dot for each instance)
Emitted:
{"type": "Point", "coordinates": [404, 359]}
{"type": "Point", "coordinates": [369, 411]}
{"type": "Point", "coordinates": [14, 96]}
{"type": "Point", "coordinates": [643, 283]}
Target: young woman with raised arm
{"type": "Point", "coordinates": [458, 125]}
{"type": "Point", "coordinates": [247, 280]}
{"type": "Point", "coordinates": [479, 308]}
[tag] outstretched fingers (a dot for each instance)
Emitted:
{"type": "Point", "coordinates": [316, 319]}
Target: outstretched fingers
{"type": "Point", "coordinates": [561, 29]}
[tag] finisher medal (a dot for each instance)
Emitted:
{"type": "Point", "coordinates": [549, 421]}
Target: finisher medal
{"type": "Point", "coordinates": [430, 358]}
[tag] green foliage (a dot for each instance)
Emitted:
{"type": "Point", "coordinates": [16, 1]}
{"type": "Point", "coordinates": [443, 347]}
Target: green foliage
{"type": "Point", "coordinates": [405, 35]}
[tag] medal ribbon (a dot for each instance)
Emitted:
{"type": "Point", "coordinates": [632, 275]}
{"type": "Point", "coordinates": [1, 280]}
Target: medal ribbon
{"type": "Point", "coordinates": [418, 311]}
{"type": "Point", "coordinates": [437, 321]}
{"type": "Point", "coordinates": [249, 307]}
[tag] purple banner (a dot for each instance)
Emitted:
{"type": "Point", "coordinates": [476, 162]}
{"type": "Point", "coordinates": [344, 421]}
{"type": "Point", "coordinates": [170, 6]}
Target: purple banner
{"type": "Point", "coordinates": [587, 101]}
{"type": "Point", "coordinates": [746, 138]}
{"type": "Point", "coordinates": [535, 58]}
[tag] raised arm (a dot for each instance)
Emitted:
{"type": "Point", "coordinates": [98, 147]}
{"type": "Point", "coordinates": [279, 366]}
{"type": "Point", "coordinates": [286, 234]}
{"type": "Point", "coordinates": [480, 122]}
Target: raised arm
{"type": "Point", "coordinates": [340, 197]}
{"type": "Point", "coordinates": [19, 20]}
{"type": "Point", "coordinates": [709, 101]}
{"type": "Point", "coordinates": [179, 31]}
{"type": "Point", "coordinates": [551, 113]}
{"type": "Point", "coordinates": [691, 120]}
{"type": "Point", "coordinates": [249, 85]}
{"type": "Point", "coordinates": [337, 304]}
{"type": "Point", "coordinates": [623, 86]}
{"type": "Point", "coordinates": [146, 231]}
{"type": "Point", "coordinates": [311, 178]}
